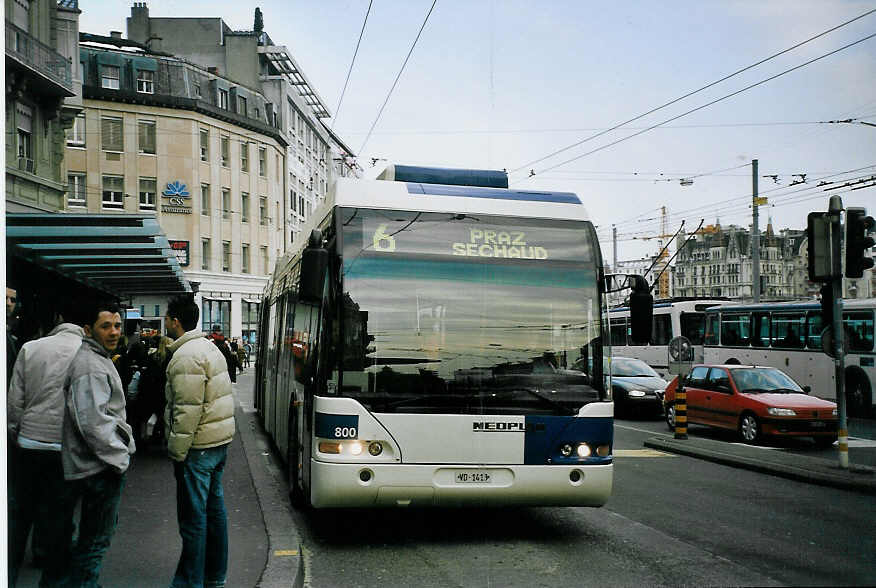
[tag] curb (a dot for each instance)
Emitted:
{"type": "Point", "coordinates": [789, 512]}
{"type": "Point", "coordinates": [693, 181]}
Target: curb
{"type": "Point", "coordinates": [809, 470]}
{"type": "Point", "coordinates": [284, 563]}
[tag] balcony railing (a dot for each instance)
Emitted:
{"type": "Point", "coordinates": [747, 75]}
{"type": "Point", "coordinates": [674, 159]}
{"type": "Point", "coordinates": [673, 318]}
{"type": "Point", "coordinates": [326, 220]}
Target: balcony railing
{"type": "Point", "coordinates": [38, 56]}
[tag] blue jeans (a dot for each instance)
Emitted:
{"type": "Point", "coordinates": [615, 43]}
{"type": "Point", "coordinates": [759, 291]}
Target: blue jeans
{"type": "Point", "coordinates": [100, 494]}
{"type": "Point", "coordinates": [203, 522]}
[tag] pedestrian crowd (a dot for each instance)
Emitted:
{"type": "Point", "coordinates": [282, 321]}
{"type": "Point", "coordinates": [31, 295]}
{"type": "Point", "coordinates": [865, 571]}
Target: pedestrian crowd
{"type": "Point", "coordinates": [80, 400]}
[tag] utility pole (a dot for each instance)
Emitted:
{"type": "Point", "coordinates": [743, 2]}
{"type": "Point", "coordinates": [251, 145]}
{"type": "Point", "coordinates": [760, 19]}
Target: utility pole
{"type": "Point", "coordinates": [755, 236]}
{"type": "Point", "coordinates": [614, 248]}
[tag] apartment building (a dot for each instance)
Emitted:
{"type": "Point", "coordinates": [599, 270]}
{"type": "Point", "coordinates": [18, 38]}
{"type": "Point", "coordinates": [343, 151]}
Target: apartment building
{"type": "Point", "coordinates": [201, 152]}
{"type": "Point", "coordinates": [42, 98]}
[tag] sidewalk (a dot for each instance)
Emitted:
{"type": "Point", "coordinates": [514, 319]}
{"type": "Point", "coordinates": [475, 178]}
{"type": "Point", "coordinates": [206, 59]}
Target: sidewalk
{"type": "Point", "coordinates": [263, 543]}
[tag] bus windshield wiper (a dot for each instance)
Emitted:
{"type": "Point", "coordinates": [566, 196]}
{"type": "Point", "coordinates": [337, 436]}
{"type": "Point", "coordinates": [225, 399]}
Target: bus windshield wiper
{"type": "Point", "coordinates": [538, 395]}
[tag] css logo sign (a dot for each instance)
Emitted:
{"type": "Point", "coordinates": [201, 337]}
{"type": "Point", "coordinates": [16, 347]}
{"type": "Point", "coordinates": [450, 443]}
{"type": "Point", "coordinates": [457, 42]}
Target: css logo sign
{"type": "Point", "coordinates": [176, 192]}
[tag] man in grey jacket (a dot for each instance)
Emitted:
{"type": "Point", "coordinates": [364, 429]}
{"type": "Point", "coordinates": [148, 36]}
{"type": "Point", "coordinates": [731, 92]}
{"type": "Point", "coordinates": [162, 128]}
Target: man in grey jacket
{"type": "Point", "coordinates": [34, 420]}
{"type": "Point", "coordinates": [97, 442]}
{"type": "Point", "coordinates": [199, 420]}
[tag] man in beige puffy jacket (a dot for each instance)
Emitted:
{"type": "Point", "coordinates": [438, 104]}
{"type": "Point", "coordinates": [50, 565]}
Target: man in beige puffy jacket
{"type": "Point", "coordinates": [199, 425]}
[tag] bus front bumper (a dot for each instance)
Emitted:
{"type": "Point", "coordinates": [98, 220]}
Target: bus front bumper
{"type": "Point", "coordinates": [339, 485]}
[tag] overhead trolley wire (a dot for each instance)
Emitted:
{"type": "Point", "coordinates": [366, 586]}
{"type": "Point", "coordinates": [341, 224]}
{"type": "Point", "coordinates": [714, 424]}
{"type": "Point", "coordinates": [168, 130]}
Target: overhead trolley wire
{"type": "Point", "coordinates": [689, 94]}
{"type": "Point", "coordinates": [349, 71]}
{"type": "Point", "coordinates": [713, 102]}
{"type": "Point", "coordinates": [380, 112]}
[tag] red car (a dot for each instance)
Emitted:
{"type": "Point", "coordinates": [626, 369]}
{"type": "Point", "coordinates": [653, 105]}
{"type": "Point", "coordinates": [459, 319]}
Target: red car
{"type": "Point", "coordinates": [755, 401]}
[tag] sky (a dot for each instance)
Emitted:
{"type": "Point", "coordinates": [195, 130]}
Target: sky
{"type": "Point", "coordinates": [537, 87]}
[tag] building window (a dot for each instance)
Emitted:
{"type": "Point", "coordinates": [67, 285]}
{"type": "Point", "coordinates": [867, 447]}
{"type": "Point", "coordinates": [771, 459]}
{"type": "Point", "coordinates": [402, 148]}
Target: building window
{"type": "Point", "coordinates": [293, 200]}
{"type": "Point", "coordinates": [76, 134]}
{"type": "Point", "coordinates": [205, 254]}
{"type": "Point", "coordinates": [244, 207]}
{"type": "Point", "coordinates": [226, 256]}
{"type": "Point", "coordinates": [301, 207]}
{"type": "Point", "coordinates": [241, 105]}
{"type": "Point", "coordinates": [263, 162]}
{"type": "Point", "coordinates": [266, 267]}
{"type": "Point", "coordinates": [216, 313]}
{"type": "Point", "coordinates": [278, 217]}
{"type": "Point", "coordinates": [223, 99]}
{"type": "Point", "coordinates": [111, 134]}
{"type": "Point", "coordinates": [224, 149]}
{"type": "Point", "coordinates": [146, 136]}
{"type": "Point", "coordinates": [25, 148]}
{"type": "Point", "coordinates": [145, 82]}
{"type": "Point", "coordinates": [113, 196]}
{"type": "Point", "coordinates": [205, 144]}
{"type": "Point", "coordinates": [76, 190]}
{"type": "Point", "coordinates": [226, 203]}
{"type": "Point", "coordinates": [244, 156]}
{"type": "Point", "coordinates": [147, 193]}
{"type": "Point", "coordinates": [263, 210]}
{"type": "Point", "coordinates": [109, 77]}
{"type": "Point", "coordinates": [205, 199]}
{"type": "Point", "coordinates": [244, 258]}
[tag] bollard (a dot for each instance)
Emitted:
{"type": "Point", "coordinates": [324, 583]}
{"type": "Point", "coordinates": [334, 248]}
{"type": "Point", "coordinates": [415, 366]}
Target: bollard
{"type": "Point", "coordinates": [680, 413]}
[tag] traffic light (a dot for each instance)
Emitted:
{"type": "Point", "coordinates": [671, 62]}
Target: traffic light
{"type": "Point", "coordinates": [641, 310]}
{"type": "Point", "coordinates": [823, 254]}
{"type": "Point", "coordinates": [858, 224]}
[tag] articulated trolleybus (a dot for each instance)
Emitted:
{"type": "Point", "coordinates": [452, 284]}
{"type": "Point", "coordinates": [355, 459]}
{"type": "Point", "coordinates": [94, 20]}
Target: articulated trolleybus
{"type": "Point", "coordinates": [417, 348]}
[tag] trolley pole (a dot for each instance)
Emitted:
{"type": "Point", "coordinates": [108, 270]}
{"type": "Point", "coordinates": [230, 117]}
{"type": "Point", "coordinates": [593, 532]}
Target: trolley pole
{"type": "Point", "coordinates": [755, 237]}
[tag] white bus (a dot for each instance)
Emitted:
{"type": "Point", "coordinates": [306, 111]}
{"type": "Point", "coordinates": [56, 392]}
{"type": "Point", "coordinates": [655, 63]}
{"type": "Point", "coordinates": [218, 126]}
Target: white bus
{"type": "Point", "coordinates": [418, 350]}
{"type": "Point", "coordinates": [787, 335]}
{"type": "Point", "coordinates": [672, 318]}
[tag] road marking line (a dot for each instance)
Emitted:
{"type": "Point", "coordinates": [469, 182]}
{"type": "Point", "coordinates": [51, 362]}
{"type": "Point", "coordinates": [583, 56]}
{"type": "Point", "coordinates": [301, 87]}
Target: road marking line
{"type": "Point", "coordinates": [641, 453]}
{"type": "Point", "coordinates": [283, 552]}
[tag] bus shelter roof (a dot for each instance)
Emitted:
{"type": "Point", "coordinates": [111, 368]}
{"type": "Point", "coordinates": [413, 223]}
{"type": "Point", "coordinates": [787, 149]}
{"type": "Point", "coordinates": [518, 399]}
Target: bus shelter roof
{"type": "Point", "coordinates": [120, 254]}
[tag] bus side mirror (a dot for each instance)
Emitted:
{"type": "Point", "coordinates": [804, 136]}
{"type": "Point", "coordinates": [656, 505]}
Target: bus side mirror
{"type": "Point", "coordinates": [314, 264]}
{"type": "Point", "coordinates": [641, 311]}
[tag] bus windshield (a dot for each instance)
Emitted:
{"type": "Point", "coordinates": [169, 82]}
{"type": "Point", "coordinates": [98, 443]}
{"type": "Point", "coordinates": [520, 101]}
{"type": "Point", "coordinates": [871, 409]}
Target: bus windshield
{"type": "Point", "coordinates": [451, 313]}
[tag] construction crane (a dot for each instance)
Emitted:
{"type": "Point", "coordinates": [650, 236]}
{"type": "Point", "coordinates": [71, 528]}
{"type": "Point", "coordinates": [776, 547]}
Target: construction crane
{"type": "Point", "coordinates": [663, 256]}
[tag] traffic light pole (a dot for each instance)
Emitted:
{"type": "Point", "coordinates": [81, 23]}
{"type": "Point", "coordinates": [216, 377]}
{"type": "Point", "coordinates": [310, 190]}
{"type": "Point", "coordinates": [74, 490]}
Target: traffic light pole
{"type": "Point", "coordinates": [834, 208]}
{"type": "Point", "coordinates": [839, 373]}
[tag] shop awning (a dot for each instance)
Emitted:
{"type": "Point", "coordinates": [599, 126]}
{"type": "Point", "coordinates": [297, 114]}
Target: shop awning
{"type": "Point", "coordinates": [120, 254]}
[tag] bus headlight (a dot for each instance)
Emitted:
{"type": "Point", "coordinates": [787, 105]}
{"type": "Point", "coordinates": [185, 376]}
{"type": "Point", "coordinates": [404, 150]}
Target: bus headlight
{"type": "Point", "coordinates": [375, 448]}
{"type": "Point", "coordinates": [566, 450]}
{"type": "Point", "coordinates": [356, 448]}
{"type": "Point", "coordinates": [583, 450]}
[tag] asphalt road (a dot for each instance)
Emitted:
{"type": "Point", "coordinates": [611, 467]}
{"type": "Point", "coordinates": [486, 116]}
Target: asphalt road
{"type": "Point", "coordinates": [671, 520]}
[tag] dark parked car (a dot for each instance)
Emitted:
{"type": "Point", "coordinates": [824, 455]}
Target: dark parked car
{"type": "Point", "coordinates": [755, 401]}
{"type": "Point", "coordinates": [635, 387]}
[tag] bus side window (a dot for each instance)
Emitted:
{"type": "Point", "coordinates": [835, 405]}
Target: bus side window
{"type": "Point", "coordinates": [813, 330]}
{"type": "Point", "coordinates": [788, 330]}
{"type": "Point", "coordinates": [619, 332]}
{"type": "Point", "coordinates": [662, 329]}
{"type": "Point", "coordinates": [735, 329]}
{"type": "Point", "coordinates": [711, 336]}
{"type": "Point", "coordinates": [761, 329]}
{"type": "Point", "coordinates": [858, 327]}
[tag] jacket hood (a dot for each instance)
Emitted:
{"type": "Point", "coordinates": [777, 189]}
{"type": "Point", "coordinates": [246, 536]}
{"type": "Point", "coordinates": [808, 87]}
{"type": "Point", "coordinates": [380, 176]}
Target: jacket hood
{"type": "Point", "coordinates": [68, 328]}
{"type": "Point", "coordinates": [96, 347]}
